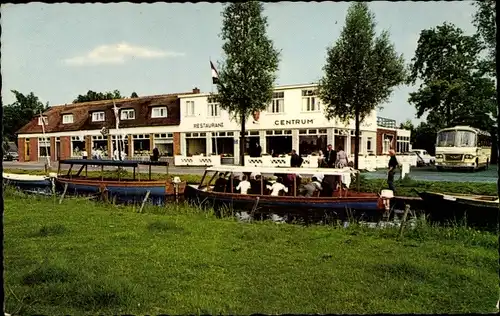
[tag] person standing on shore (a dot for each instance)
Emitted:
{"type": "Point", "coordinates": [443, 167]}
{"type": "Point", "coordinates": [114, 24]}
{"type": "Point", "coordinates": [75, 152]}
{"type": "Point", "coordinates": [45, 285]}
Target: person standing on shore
{"type": "Point", "coordinates": [393, 164]}
{"type": "Point", "coordinates": [330, 156]}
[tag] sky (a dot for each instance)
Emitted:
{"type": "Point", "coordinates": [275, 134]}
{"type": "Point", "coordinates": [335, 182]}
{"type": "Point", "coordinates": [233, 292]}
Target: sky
{"type": "Point", "coordinates": [58, 51]}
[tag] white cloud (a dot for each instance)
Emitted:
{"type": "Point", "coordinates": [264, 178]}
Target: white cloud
{"type": "Point", "coordinates": [118, 54]}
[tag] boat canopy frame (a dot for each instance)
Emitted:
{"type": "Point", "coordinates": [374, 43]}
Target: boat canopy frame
{"type": "Point", "coordinates": [109, 163]}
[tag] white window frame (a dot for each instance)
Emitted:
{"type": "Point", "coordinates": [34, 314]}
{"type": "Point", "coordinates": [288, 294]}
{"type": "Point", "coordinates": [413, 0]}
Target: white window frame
{"type": "Point", "coordinates": [67, 119]}
{"type": "Point", "coordinates": [277, 105]}
{"type": "Point", "coordinates": [159, 112]}
{"type": "Point", "coordinates": [213, 109]}
{"type": "Point", "coordinates": [369, 140]}
{"type": "Point", "coordinates": [98, 116]}
{"type": "Point", "coordinates": [310, 101]}
{"type": "Point", "coordinates": [45, 120]}
{"type": "Point", "coordinates": [190, 110]}
{"type": "Point", "coordinates": [125, 114]}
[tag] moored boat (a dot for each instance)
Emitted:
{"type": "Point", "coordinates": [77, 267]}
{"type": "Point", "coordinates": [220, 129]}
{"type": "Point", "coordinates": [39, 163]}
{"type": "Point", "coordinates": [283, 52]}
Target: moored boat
{"type": "Point", "coordinates": [477, 210]}
{"type": "Point", "coordinates": [342, 202]}
{"type": "Point", "coordinates": [27, 182]}
{"type": "Point", "coordinates": [121, 188]}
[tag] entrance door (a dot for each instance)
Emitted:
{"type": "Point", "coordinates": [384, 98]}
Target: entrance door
{"type": "Point", "coordinates": [58, 150]}
{"type": "Point", "coordinates": [27, 150]}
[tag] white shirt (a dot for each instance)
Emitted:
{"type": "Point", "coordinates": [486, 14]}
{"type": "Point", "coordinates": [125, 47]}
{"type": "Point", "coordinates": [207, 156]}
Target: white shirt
{"type": "Point", "coordinates": [276, 188]}
{"type": "Point", "coordinates": [84, 153]}
{"type": "Point", "coordinates": [243, 186]}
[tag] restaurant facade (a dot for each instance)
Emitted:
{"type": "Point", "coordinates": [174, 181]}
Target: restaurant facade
{"type": "Point", "coordinates": [192, 124]}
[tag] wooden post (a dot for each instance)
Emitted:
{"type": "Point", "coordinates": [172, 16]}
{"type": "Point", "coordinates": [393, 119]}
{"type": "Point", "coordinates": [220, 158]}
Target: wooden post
{"type": "Point", "coordinates": [261, 185]}
{"type": "Point", "coordinates": [64, 193]}
{"type": "Point", "coordinates": [403, 222]}
{"type": "Point", "coordinates": [295, 186]}
{"type": "Point", "coordinates": [86, 174]}
{"type": "Point", "coordinates": [144, 201]}
{"type": "Point", "coordinates": [231, 181]}
{"type": "Point", "coordinates": [202, 179]}
{"type": "Point", "coordinates": [134, 174]}
{"type": "Point", "coordinates": [149, 172]}
{"type": "Point", "coordinates": [102, 172]}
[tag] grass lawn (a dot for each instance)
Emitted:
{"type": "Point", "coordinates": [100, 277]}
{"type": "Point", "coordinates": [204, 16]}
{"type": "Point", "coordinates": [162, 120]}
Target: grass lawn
{"type": "Point", "coordinates": [86, 258]}
{"type": "Point", "coordinates": [405, 187]}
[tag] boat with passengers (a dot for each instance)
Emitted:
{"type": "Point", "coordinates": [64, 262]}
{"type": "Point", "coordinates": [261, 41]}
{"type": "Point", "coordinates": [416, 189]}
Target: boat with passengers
{"type": "Point", "coordinates": [330, 195]}
{"type": "Point", "coordinates": [117, 184]}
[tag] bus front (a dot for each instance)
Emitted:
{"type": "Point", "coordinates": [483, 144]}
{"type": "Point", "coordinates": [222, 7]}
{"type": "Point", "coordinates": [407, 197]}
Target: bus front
{"type": "Point", "coordinates": [457, 148]}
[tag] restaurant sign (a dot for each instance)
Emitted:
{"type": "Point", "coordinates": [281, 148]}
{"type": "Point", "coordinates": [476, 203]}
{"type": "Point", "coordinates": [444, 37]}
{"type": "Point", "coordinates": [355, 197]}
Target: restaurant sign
{"type": "Point", "coordinates": [294, 122]}
{"type": "Point", "coordinates": [208, 125]}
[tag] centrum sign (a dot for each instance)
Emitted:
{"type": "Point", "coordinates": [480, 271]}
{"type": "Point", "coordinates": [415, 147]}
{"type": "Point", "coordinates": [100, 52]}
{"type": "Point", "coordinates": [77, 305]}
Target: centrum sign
{"type": "Point", "coordinates": [208, 125]}
{"type": "Point", "coordinates": [294, 122]}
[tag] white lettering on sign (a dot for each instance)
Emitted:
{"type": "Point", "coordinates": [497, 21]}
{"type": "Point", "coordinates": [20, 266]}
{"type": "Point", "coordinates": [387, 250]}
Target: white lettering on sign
{"type": "Point", "coordinates": [294, 122]}
{"type": "Point", "coordinates": [208, 125]}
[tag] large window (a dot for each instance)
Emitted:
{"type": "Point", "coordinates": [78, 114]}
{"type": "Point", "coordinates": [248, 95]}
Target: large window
{"type": "Point", "coordinates": [159, 112]}
{"type": "Point", "coordinates": [165, 144]}
{"type": "Point", "coordinates": [98, 117]}
{"type": "Point", "coordinates": [311, 141]}
{"type": "Point", "coordinates": [402, 144]}
{"type": "Point", "coordinates": [213, 108]}
{"type": "Point", "coordinates": [190, 108]}
{"type": "Point", "coordinates": [483, 140]}
{"type": "Point", "coordinates": [277, 103]}
{"type": "Point", "coordinates": [369, 144]}
{"type": "Point", "coordinates": [223, 143]}
{"type": "Point", "coordinates": [77, 146]}
{"type": "Point", "coordinates": [127, 114]}
{"type": "Point", "coordinates": [67, 118]}
{"type": "Point", "coordinates": [278, 142]}
{"type": "Point", "coordinates": [120, 144]}
{"type": "Point", "coordinates": [196, 143]}
{"type": "Point", "coordinates": [310, 101]}
{"type": "Point", "coordinates": [100, 143]}
{"type": "Point", "coordinates": [141, 145]}
{"type": "Point", "coordinates": [44, 146]}
{"type": "Point", "coordinates": [252, 139]}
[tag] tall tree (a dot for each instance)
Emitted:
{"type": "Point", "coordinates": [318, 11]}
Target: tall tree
{"type": "Point", "coordinates": [246, 77]}
{"type": "Point", "coordinates": [485, 22]}
{"type": "Point", "coordinates": [20, 113]}
{"type": "Point", "coordinates": [454, 89]}
{"type": "Point", "coordinates": [361, 70]}
{"type": "Point", "coordinates": [98, 96]}
{"type": "Point", "coordinates": [134, 95]}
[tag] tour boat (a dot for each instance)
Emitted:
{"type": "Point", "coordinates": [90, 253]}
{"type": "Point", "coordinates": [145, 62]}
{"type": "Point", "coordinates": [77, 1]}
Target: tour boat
{"type": "Point", "coordinates": [341, 202]}
{"type": "Point", "coordinates": [125, 190]}
{"type": "Point", "coordinates": [27, 182]}
{"type": "Point", "coordinates": [479, 210]}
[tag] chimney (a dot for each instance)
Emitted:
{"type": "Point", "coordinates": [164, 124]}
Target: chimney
{"type": "Point", "coordinates": [196, 91]}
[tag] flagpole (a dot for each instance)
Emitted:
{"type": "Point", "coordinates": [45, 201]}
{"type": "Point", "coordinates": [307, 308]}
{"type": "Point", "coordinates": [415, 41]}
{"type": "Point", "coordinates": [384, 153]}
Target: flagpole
{"type": "Point", "coordinates": [211, 93]}
{"type": "Point", "coordinates": [45, 139]}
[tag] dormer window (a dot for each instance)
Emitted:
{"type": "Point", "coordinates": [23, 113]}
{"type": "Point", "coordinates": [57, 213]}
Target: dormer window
{"type": "Point", "coordinates": [159, 112]}
{"type": "Point", "coordinates": [127, 114]}
{"type": "Point", "coordinates": [43, 120]}
{"type": "Point", "coordinates": [67, 118]}
{"type": "Point", "coordinates": [98, 117]}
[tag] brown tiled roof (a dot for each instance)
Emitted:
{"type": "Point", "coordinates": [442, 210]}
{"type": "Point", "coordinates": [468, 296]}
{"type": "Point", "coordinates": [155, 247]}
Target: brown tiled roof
{"type": "Point", "coordinates": [82, 114]}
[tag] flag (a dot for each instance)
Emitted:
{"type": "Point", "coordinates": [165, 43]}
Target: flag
{"type": "Point", "coordinates": [215, 74]}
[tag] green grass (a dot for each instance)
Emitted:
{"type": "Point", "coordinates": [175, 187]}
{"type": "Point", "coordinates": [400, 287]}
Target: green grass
{"type": "Point", "coordinates": [405, 187]}
{"type": "Point", "coordinates": [80, 257]}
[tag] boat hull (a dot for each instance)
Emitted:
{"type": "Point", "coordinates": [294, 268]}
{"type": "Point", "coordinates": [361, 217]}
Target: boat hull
{"type": "Point", "coordinates": [28, 182]}
{"type": "Point", "coordinates": [361, 203]}
{"type": "Point", "coordinates": [474, 210]}
{"type": "Point", "coordinates": [122, 191]}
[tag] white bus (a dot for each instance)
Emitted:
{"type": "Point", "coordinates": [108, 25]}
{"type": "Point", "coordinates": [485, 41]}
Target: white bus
{"type": "Point", "coordinates": [463, 147]}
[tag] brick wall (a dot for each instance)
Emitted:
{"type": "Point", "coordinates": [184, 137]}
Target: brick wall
{"type": "Point", "coordinates": [380, 139]}
{"type": "Point", "coordinates": [65, 147]}
{"type": "Point", "coordinates": [177, 143]}
{"type": "Point", "coordinates": [33, 149]}
{"type": "Point", "coordinates": [53, 153]}
{"type": "Point", "coordinates": [20, 148]}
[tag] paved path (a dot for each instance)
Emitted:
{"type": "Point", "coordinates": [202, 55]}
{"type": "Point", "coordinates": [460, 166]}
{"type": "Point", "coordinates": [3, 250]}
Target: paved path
{"type": "Point", "coordinates": [422, 173]}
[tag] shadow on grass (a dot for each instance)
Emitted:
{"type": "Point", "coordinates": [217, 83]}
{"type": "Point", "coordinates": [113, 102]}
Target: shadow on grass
{"type": "Point", "coordinates": [47, 274]}
{"type": "Point", "coordinates": [405, 271]}
{"type": "Point", "coordinates": [50, 230]}
{"type": "Point", "coordinates": [164, 227]}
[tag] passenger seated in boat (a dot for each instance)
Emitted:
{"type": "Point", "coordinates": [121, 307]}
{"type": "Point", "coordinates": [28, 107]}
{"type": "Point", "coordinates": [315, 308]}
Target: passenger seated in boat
{"type": "Point", "coordinates": [256, 184]}
{"type": "Point", "coordinates": [236, 182]}
{"type": "Point", "coordinates": [277, 187]}
{"type": "Point", "coordinates": [308, 190]}
{"type": "Point", "coordinates": [244, 185]}
{"type": "Point", "coordinates": [329, 184]}
{"type": "Point", "coordinates": [220, 183]}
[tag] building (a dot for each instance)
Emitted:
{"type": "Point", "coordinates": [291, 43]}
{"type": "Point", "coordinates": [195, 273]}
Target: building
{"type": "Point", "coordinates": [191, 123]}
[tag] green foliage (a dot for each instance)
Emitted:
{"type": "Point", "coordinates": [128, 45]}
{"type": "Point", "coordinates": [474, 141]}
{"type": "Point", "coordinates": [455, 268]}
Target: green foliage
{"type": "Point", "coordinates": [246, 78]}
{"type": "Point", "coordinates": [361, 70]}
{"type": "Point", "coordinates": [115, 261]}
{"type": "Point", "coordinates": [454, 90]}
{"type": "Point", "coordinates": [485, 22]}
{"type": "Point", "coordinates": [98, 96]}
{"type": "Point", "coordinates": [20, 113]}
{"type": "Point", "coordinates": [134, 95]}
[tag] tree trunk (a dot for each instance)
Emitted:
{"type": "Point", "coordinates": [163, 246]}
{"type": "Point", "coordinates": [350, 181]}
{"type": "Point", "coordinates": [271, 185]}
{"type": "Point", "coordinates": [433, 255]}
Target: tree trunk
{"type": "Point", "coordinates": [356, 140]}
{"type": "Point", "coordinates": [242, 141]}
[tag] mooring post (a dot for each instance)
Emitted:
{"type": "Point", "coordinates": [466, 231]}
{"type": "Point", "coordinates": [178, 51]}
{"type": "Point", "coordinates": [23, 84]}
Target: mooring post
{"type": "Point", "coordinates": [64, 193]}
{"type": "Point", "coordinates": [403, 221]}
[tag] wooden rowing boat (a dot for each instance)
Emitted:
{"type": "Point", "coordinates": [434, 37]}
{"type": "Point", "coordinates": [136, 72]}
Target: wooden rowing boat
{"type": "Point", "coordinates": [27, 182]}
